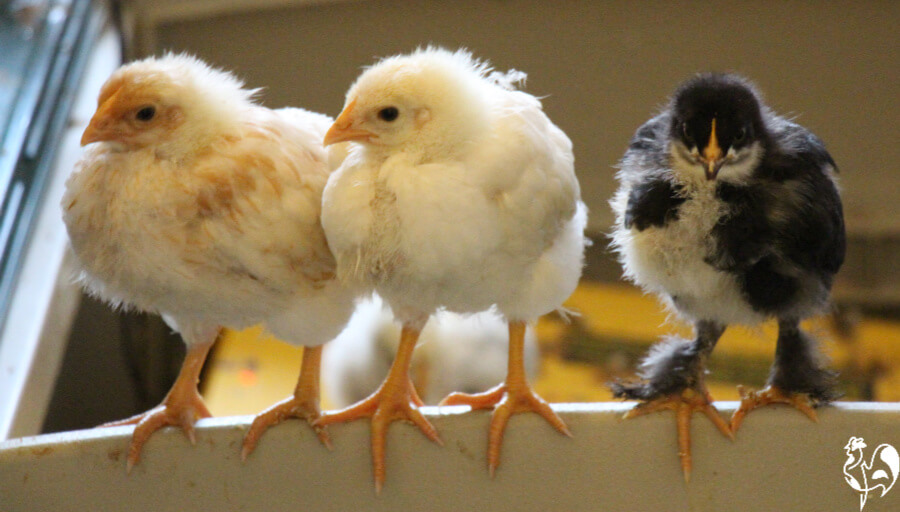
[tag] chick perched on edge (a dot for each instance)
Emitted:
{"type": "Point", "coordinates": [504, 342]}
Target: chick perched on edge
{"type": "Point", "coordinates": [731, 215]}
{"type": "Point", "coordinates": [198, 204]}
{"type": "Point", "coordinates": [459, 194]}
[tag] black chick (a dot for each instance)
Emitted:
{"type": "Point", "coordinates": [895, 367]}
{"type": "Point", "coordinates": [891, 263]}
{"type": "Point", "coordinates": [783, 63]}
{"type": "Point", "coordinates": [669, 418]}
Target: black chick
{"type": "Point", "coordinates": [731, 215]}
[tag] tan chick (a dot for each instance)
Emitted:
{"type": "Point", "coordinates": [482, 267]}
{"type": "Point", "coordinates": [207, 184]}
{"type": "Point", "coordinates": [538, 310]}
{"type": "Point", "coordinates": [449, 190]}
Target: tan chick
{"type": "Point", "coordinates": [194, 202]}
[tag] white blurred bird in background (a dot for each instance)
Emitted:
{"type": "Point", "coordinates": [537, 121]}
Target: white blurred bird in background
{"type": "Point", "coordinates": [196, 203]}
{"type": "Point", "coordinates": [455, 353]}
{"type": "Point", "coordinates": [459, 194]}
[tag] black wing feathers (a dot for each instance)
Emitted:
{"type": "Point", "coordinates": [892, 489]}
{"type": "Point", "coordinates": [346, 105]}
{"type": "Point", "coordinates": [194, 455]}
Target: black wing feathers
{"type": "Point", "coordinates": [652, 203]}
{"type": "Point", "coordinates": [785, 224]}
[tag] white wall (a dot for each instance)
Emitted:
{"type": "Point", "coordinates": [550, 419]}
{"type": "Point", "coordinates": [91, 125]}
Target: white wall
{"type": "Point", "coordinates": [604, 66]}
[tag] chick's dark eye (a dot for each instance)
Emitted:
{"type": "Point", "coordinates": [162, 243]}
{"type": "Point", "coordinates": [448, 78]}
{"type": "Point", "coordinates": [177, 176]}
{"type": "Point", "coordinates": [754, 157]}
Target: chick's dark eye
{"type": "Point", "coordinates": [145, 113]}
{"type": "Point", "coordinates": [686, 131]}
{"type": "Point", "coordinates": [388, 114]}
{"type": "Point", "coordinates": [740, 135]}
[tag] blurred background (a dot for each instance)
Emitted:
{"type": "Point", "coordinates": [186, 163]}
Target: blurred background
{"type": "Point", "coordinates": [602, 69]}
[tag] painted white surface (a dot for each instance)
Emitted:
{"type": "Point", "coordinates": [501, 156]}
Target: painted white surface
{"type": "Point", "coordinates": [779, 461]}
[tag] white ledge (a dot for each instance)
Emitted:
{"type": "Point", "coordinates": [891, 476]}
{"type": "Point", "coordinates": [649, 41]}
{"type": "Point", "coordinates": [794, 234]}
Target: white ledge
{"type": "Point", "coordinates": [779, 461]}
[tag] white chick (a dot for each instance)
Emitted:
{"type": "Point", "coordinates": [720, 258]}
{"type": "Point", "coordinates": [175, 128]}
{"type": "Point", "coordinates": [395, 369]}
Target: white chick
{"type": "Point", "coordinates": [460, 194]}
{"type": "Point", "coordinates": [455, 352]}
{"type": "Point", "coordinates": [198, 204]}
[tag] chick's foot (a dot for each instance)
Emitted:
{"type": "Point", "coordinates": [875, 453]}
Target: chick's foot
{"type": "Point", "coordinates": [303, 405]}
{"type": "Point", "coordinates": [751, 400]}
{"type": "Point", "coordinates": [390, 403]}
{"type": "Point", "coordinates": [293, 407]}
{"type": "Point", "coordinates": [685, 404]}
{"type": "Point", "coordinates": [513, 396]}
{"type": "Point", "coordinates": [506, 400]}
{"type": "Point", "coordinates": [181, 407]}
{"type": "Point", "coordinates": [395, 399]}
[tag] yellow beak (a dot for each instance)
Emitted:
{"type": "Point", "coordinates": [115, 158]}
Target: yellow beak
{"type": "Point", "coordinates": [343, 130]}
{"type": "Point", "coordinates": [99, 127]}
{"type": "Point", "coordinates": [712, 154]}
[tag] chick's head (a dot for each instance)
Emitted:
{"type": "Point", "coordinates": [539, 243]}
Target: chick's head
{"type": "Point", "coordinates": [175, 104]}
{"type": "Point", "coordinates": [717, 124]}
{"type": "Point", "coordinates": [432, 102]}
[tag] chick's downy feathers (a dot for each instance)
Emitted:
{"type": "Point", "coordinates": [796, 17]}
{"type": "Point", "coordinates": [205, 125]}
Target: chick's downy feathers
{"type": "Point", "coordinates": [196, 203]}
{"type": "Point", "coordinates": [731, 215]}
{"type": "Point", "coordinates": [209, 209]}
{"type": "Point", "coordinates": [460, 195]}
{"type": "Point", "coordinates": [455, 167]}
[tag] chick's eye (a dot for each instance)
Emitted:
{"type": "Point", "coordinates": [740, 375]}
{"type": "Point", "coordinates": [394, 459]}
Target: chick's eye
{"type": "Point", "coordinates": [686, 131]}
{"type": "Point", "coordinates": [388, 114]}
{"type": "Point", "coordinates": [740, 135]}
{"type": "Point", "coordinates": [146, 113]}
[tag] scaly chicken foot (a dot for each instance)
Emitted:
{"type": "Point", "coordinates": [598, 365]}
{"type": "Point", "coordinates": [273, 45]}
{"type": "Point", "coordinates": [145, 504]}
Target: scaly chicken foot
{"type": "Point", "coordinates": [751, 399]}
{"type": "Point", "coordinates": [181, 407]}
{"type": "Point", "coordinates": [506, 399]}
{"type": "Point", "coordinates": [396, 399]}
{"type": "Point", "coordinates": [684, 404]}
{"type": "Point", "coordinates": [512, 397]}
{"type": "Point", "coordinates": [303, 405]}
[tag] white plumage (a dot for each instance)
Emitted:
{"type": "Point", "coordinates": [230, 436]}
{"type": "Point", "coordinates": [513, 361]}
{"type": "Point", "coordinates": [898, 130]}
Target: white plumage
{"type": "Point", "coordinates": [461, 194]}
{"type": "Point", "coordinates": [671, 260]}
{"type": "Point", "coordinates": [199, 204]}
{"type": "Point", "coordinates": [467, 201]}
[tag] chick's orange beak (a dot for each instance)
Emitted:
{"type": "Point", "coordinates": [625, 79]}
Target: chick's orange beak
{"type": "Point", "coordinates": [100, 128]}
{"type": "Point", "coordinates": [712, 154]}
{"type": "Point", "coordinates": [343, 130]}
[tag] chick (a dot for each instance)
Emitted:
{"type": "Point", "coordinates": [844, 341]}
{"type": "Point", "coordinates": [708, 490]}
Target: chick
{"type": "Point", "coordinates": [731, 215]}
{"type": "Point", "coordinates": [459, 194]}
{"type": "Point", "coordinates": [196, 203]}
{"type": "Point", "coordinates": [454, 352]}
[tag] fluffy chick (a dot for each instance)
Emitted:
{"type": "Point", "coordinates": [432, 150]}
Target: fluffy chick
{"type": "Point", "coordinates": [196, 203]}
{"type": "Point", "coordinates": [731, 215]}
{"type": "Point", "coordinates": [460, 194]}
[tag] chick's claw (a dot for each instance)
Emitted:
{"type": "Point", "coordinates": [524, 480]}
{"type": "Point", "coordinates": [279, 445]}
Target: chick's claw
{"type": "Point", "coordinates": [287, 408]}
{"type": "Point", "coordinates": [506, 401]}
{"type": "Point", "coordinates": [390, 403]}
{"type": "Point", "coordinates": [178, 411]}
{"type": "Point", "coordinates": [303, 405]}
{"type": "Point", "coordinates": [751, 400]}
{"type": "Point", "coordinates": [181, 407]}
{"type": "Point", "coordinates": [684, 404]}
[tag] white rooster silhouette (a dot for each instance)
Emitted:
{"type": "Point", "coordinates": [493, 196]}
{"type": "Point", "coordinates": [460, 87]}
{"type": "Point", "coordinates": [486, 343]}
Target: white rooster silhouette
{"type": "Point", "coordinates": [872, 477]}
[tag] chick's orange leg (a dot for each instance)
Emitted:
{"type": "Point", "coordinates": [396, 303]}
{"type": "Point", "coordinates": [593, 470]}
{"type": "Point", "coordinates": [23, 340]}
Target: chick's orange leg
{"type": "Point", "coordinates": [181, 407]}
{"type": "Point", "coordinates": [395, 399]}
{"type": "Point", "coordinates": [685, 404]}
{"type": "Point", "coordinates": [771, 395]}
{"type": "Point", "coordinates": [304, 404]}
{"type": "Point", "coordinates": [511, 397]}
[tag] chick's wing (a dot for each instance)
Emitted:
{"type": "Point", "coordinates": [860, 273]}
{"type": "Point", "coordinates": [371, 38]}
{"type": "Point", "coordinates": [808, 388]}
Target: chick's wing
{"type": "Point", "coordinates": [257, 206]}
{"type": "Point", "coordinates": [528, 169]}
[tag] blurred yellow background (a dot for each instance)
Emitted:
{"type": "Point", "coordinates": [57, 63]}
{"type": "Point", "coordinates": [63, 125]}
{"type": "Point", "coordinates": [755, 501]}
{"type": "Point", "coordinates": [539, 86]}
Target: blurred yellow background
{"type": "Point", "coordinates": [617, 324]}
